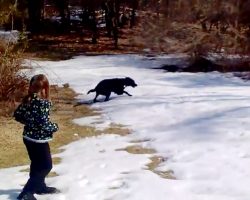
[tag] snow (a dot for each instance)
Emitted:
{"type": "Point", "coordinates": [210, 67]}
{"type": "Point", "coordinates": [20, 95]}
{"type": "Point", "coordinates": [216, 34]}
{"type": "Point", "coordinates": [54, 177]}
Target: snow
{"type": "Point", "coordinates": [9, 36]}
{"type": "Point", "coordinates": [199, 122]}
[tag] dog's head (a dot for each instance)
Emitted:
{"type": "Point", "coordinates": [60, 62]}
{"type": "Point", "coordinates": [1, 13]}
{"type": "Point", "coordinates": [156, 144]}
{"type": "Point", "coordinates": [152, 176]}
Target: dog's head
{"type": "Point", "coordinates": [129, 82]}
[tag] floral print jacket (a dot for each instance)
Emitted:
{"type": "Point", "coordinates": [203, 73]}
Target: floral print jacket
{"type": "Point", "coordinates": [35, 117]}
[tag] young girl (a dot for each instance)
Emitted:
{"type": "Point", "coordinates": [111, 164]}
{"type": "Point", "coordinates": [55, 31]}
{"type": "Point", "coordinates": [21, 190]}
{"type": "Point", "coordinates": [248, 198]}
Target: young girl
{"type": "Point", "coordinates": [33, 112]}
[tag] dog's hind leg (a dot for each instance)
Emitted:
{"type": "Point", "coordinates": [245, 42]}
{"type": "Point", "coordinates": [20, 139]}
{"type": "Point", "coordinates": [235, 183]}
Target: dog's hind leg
{"type": "Point", "coordinates": [127, 93]}
{"type": "Point", "coordinates": [107, 96]}
{"type": "Point", "coordinates": [95, 97]}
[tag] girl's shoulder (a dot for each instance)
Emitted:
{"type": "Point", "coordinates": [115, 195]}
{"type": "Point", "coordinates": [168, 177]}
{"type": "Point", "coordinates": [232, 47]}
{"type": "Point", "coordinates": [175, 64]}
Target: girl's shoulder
{"type": "Point", "coordinates": [42, 102]}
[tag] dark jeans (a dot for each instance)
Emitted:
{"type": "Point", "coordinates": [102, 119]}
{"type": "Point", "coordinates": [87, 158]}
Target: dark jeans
{"type": "Point", "coordinates": [41, 165]}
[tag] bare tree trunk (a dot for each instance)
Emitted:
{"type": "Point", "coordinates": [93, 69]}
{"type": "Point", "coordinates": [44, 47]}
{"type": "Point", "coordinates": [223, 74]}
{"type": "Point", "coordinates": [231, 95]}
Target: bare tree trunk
{"type": "Point", "coordinates": [63, 7]}
{"type": "Point", "coordinates": [239, 5]}
{"type": "Point", "coordinates": [112, 8]}
{"type": "Point", "coordinates": [132, 16]}
{"type": "Point", "coordinates": [165, 5]}
{"type": "Point", "coordinates": [35, 12]}
{"type": "Point", "coordinates": [218, 5]}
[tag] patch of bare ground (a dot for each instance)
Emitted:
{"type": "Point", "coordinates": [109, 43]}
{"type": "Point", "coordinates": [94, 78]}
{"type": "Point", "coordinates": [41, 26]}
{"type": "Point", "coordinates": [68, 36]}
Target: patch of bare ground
{"type": "Point", "coordinates": [137, 149]}
{"type": "Point", "coordinates": [116, 129]}
{"type": "Point", "coordinates": [155, 161]}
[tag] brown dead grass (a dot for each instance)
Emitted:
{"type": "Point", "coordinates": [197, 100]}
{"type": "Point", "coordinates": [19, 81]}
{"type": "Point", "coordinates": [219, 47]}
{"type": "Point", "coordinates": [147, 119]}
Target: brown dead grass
{"type": "Point", "coordinates": [137, 149]}
{"type": "Point", "coordinates": [12, 151]}
{"type": "Point", "coordinates": [155, 162]}
{"type": "Point", "coordinates": [117, 129]}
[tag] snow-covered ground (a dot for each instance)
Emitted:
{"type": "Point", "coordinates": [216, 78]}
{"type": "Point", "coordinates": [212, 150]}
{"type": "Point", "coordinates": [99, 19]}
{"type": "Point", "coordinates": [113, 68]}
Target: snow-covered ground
{"type": "Point", "coordinates": [9, 36]}
{"type": "Point", "coordinates": [198, 122]}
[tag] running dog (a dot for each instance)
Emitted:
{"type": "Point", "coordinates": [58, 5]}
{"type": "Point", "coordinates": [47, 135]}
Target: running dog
{"type": "Point", "coordinates": [116, 85]}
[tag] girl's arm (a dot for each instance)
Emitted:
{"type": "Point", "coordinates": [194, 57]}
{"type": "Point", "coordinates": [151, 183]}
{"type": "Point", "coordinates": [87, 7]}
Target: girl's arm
{"type": "Point", "coordinates": [19, 114]}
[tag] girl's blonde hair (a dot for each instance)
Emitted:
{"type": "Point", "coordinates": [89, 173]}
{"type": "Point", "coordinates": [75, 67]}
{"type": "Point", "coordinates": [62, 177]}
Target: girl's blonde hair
{"type": "Point", "coordinates": [38, 84]}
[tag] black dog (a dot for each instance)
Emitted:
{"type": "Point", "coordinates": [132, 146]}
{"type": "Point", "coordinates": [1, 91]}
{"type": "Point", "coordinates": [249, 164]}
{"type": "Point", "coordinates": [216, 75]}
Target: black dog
{"type": "Point", "coordinates": [116, 85]}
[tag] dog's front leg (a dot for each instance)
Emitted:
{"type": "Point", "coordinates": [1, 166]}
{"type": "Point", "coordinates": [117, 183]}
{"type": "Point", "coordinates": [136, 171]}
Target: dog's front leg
{"type": "Point", "coordinates": [127, 93]}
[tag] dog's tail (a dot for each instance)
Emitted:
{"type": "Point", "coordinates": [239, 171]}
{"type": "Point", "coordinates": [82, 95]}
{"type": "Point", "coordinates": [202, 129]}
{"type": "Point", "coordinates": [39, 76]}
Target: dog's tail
{"type": "Point", "coordinates": [93, 90]}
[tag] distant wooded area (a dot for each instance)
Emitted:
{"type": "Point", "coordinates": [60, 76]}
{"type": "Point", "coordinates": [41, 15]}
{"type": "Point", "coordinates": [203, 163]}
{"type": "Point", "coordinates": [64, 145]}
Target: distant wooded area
{"type": "Point", "coordinates": [200, 25]}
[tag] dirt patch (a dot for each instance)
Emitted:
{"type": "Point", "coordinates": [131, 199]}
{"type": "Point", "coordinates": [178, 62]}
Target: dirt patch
{"type": "Point", "coordinates": [137, 149]}
{"type": "Point", "coordinates": [117, 129]}
{"type": "Point", "coordinates": [155, 162]}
